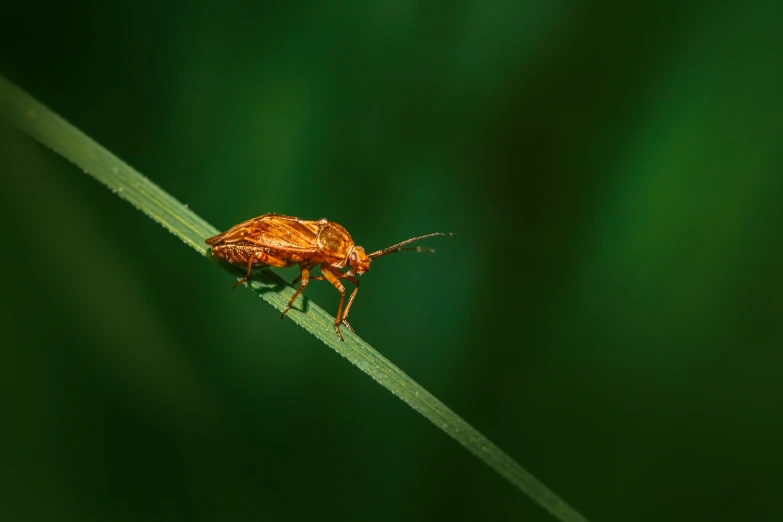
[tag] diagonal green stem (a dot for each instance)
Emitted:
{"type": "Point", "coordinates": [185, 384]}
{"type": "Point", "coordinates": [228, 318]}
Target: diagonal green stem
{"type": "Point", "coordinates": [23, 111]}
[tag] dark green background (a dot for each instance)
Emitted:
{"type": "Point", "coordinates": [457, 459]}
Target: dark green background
{"type": "Point", "coordinates": [609, 314]}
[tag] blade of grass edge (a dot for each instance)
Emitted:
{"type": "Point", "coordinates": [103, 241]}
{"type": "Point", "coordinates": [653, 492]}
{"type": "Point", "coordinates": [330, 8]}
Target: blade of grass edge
{"type": "Point", "coordinates": [22, 110]}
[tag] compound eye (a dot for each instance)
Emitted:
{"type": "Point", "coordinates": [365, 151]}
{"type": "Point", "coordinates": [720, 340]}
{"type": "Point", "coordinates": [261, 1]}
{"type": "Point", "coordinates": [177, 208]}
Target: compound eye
{"type": "Point", "coordinates": [354, 257]}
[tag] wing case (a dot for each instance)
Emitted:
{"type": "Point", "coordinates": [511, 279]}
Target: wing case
{"type": "Point", "coordinates": [274, 231]}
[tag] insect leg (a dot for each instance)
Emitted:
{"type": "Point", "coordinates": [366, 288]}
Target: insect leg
{"type": "Point", "coordinates": [249, 269]}
{"type": "Point", "coordinates": [355, 281]}
{"type": "Point", "coordinates": [305, 277]}
{"type": "Point", "coordinates": [332, 278]}
{"type": "Point", "coordinates": [314, 278]}
{"type": "Point", "coordinates": [259, 256]}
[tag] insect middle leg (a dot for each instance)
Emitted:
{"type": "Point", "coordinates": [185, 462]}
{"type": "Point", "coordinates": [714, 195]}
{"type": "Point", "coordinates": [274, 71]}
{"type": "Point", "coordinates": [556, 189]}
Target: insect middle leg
{"type": "Point", "coordinates": [305, 277]}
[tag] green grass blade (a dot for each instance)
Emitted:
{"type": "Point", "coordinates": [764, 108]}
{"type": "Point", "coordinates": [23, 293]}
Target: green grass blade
{"type": "Point", "coordinates": [23, 111]}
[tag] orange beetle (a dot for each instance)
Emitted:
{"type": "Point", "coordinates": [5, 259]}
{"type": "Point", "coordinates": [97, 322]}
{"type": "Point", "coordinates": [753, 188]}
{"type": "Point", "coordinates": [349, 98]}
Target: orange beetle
{"type": "Point", "coordinates": [282, 241]}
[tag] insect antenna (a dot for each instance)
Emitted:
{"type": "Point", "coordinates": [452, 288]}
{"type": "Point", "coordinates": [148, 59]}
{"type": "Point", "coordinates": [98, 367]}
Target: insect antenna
{"type": "Point", "coordinates": [399, 246]}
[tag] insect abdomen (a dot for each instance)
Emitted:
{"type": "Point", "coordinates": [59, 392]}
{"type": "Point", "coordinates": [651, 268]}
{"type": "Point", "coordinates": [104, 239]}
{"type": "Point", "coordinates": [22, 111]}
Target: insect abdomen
{"type": "Point", "coordinates": [234, 254]}
{"type": "Point", "coordinates": [240, 254]}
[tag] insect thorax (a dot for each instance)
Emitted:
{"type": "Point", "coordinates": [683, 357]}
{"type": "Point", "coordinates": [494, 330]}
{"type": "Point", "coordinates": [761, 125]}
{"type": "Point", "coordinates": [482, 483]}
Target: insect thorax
{"type": "Point", "coordinates": [335, 242]}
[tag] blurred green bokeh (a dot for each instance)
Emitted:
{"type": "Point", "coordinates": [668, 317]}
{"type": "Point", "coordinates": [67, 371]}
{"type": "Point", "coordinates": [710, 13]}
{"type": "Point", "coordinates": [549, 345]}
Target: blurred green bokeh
{"type": "Point", "coordinates": [609, 313]}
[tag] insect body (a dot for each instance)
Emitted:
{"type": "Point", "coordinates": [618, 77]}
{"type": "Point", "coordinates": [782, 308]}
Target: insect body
{"type": "Point", "coordinates": [283, 241]}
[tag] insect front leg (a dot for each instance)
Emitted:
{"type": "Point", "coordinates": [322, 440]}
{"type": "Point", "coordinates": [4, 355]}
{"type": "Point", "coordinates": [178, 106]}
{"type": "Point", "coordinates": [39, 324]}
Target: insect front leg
{"type": "Point", "coordinates": [333, 278]}
{"type": "Point", "coordinates": [355, 281]}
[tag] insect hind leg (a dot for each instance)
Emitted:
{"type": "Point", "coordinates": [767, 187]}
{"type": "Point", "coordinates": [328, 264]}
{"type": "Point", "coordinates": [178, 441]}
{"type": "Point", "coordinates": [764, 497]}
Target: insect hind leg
{"type": "Point", "coordinates": [249, 269]}
{"type": "Point", "coordinates": [263, 258]}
